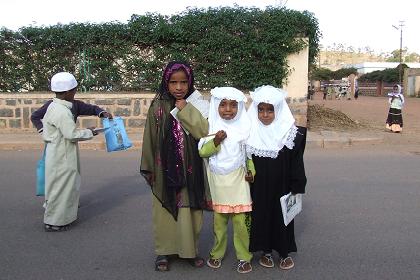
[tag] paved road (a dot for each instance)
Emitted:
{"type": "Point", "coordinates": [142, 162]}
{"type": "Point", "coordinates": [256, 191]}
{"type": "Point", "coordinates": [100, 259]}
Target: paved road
{"type": "Point", "coordinates": [360, 221]}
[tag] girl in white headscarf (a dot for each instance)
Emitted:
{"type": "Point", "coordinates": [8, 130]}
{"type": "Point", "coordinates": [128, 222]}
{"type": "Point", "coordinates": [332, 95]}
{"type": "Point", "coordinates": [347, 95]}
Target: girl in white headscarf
{"type": "Point", "coordinates": [228, 174]}
{"type": "Point", "coordinates": [276, 146]}
{"type": "Point", "coordinates": [394, 121]}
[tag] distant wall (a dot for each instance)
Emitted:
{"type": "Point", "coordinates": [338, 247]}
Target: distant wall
{"type": "Point", "coordinates": [378, 88]}
{"type": "Point", "coordinates": [412, 82]}
{"type": "Point", "coordinates": [16, 108]}
{"type": "Point", "coordinates": [297, 84]}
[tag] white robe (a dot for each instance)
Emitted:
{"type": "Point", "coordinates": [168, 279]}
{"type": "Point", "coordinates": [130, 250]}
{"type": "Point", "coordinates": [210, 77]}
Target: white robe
{"type": "Point", "coordinates": [62, 169]}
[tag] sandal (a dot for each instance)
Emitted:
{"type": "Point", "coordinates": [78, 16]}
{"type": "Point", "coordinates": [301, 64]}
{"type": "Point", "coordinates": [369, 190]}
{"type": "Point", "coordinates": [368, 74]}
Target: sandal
{"type": "Point", "coordinates": [196, 262]}
{"type": "Point", "coordinates": [161, 263]}
{"type": "Point", "coordinates": [287, 263]}
{"type": "Point", "coordinates": [214, 263]}
{"type": "Point", "coordinates": [244, 267]}
{"type": "Point", "coordinates": [51, 228]}
{"type": "Point", "coordinates": [266, 260]}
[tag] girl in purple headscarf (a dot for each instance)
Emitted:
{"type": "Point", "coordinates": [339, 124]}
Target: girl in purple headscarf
{"type": "Point", "coordinates": [171, 165]}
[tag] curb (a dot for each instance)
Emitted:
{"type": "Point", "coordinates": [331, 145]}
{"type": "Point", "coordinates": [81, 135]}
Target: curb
{"type": "Point", "coordinates": [38, 145]}
{"type": "Point", "coordinates": [333, 139]}
{"type": "Point", "coordinates": [316, 141]}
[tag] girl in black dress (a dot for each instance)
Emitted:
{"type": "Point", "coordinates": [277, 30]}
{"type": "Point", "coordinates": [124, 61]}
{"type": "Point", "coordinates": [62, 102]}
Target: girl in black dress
{"type": "Point", "coordinates": [276, 146]}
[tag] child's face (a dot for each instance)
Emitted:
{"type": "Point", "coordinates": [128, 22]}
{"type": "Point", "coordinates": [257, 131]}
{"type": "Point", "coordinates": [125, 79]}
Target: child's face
{"type": "Point", "coordinates": [266, 113]}
{"type": "Point", "coordinates": [178, 84]}
{"type": "Point", "coordinates": [69, 96]}
{"type": "Point", "coordinates": [228, 109]}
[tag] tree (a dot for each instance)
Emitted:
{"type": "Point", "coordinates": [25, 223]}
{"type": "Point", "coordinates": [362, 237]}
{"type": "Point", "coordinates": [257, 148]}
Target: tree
{"type": "Point", "coordinates": [321, 74]}
{"type": "Point", "coordinates": [390, 75]}
{"type": "Point", "coordinates": [412, 57]}
{"type": "Point", "coordinates": [395, 56]}
{"type": "Point", "coordinates": [241, 47]}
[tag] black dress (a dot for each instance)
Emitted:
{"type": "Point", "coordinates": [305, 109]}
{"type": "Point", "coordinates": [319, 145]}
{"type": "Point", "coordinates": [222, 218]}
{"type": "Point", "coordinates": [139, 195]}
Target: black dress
{"type": "Point", "coordinates": [275, 178]}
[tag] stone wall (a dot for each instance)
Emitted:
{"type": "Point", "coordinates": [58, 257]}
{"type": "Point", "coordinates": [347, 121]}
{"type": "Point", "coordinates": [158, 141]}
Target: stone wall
{"type": "Point", "coordinates": [16, 109]}
{"type": "Point", "coordinates": [378, 88]}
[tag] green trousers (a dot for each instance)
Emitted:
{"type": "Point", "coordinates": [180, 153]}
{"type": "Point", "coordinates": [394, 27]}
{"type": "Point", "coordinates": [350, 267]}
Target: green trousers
{"type": "Point", "coordinates": [240, 236]}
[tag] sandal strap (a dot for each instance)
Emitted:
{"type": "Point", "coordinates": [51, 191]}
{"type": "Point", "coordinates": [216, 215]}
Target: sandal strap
{"type": "Point", "coordinates": [216, 261]}
{"type": "Point", "coordinates": [241, 263]}
{"type": "Point", "coordinates": [269, 256]}
{"type": "Point", "coordinates": [284, 260]}
{"type": "Point", "coordinates": [161, 259]}
{"type": "Point", "coordinates": [285, 265]}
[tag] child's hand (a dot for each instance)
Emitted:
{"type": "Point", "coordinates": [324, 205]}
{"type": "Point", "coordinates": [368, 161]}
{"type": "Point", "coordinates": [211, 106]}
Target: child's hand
{"type": "Point", "coordinates": [180, 104]}
{"type": "Point", "coordinates": [150, 178]}
{"type": "Point", "coordinates": [248, 177]}
{"type": "Point", "coordinates": [107, 115]}
{"type": "Point", "coordinates": [220, 136]}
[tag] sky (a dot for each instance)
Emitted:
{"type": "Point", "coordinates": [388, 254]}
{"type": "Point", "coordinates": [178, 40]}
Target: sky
{"type": "Point", "coordinates": [357, 23]}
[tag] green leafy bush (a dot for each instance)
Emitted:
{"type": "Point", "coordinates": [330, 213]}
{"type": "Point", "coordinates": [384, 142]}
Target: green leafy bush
{"type": "Point", "coordinates": [325, 74]}
{"type": "Point", "coordinates": [241, 47]}
{"type": "Point", "coordinates": [390, 75]}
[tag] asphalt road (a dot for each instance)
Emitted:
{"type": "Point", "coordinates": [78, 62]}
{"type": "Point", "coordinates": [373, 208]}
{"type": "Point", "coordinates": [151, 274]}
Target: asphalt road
{"type": "Point", "coordinates": [361, 220]}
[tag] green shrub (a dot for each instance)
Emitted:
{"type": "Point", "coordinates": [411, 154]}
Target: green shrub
{"type": "Point", "coordinates": [241, 47]}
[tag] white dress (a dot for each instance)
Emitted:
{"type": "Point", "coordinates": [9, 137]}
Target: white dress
{"type": "Point", "coordinates": [62, 168]}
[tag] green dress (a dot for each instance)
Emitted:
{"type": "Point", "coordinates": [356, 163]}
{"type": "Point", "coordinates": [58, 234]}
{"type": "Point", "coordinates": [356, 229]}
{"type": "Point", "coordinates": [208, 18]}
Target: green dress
{"type": "Point", "coordinates": [176, 228]}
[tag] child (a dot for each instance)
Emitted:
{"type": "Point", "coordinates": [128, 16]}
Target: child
{"type": "Point", "coordinates": [394, 122]}
{"type": "Point", "coordinates": [277, 147]}
{"type": "Point", "coordinates": [226, 173]}
{"type": "Point", "coordinates": [172, 167]}
{"type": "Point", "coordinates": [79, 108]}
{"type": "Point", "coordinates": [62, 170]}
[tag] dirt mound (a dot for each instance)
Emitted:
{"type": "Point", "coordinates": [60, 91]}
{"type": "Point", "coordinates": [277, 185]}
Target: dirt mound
{"type": "Point", "coordinates": [323, 118]}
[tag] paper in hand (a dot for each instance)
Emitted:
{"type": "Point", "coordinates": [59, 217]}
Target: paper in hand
{"type": "Point", "coordinates": [291, 205]}
{"type": "Point", "coordinates": [100, 129]}
{"type": "Point", "coordinates": [195, 99]}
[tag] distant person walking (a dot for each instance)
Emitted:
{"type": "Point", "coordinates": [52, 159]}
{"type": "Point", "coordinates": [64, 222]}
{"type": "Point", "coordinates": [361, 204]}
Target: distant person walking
{"type": "Point", "coordinates": [330, 91]}
{"type": "Point", "coordinates": [324, 92]}
{"type": "Point", "coordinates": [394, 122]}
{"type": "Point", "coordinates": [356, 89]}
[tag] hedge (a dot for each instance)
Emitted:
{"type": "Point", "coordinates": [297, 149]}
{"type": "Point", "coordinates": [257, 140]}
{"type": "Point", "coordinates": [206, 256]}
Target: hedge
{"type": "Point", "coordinates": [389, 75]}
{"type": "Point", "coordinates": [240, 47]}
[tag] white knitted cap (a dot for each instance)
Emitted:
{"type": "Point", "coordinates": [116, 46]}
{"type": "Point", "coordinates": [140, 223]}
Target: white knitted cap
{"type": "Point", "coordinates": [63, 81]}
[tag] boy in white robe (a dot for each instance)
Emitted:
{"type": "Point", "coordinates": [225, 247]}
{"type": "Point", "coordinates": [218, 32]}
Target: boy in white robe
{"type": "Point", "coordinates": [62, 173]}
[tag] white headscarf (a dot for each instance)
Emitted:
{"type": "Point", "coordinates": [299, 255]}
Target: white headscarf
{"type": "Point", "coordinates": [396, 94]}
{"type": "Point", "coordinates": [268, 140]}
{"type": "Point", "coordinates": [232, 153]}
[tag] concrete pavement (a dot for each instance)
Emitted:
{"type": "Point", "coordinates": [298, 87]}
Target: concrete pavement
{"type": "Point", "coordinates": [319, 139]}
{"type": "Point", "coordinates": [360, 220]}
